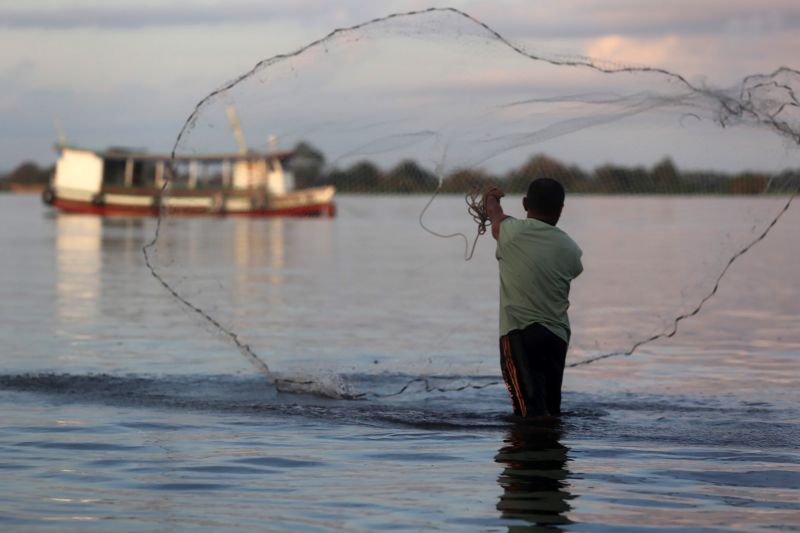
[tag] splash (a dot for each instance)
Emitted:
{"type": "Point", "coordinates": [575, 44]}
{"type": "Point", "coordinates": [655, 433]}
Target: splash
{"type": "Point", "coordinates": [437, 102]}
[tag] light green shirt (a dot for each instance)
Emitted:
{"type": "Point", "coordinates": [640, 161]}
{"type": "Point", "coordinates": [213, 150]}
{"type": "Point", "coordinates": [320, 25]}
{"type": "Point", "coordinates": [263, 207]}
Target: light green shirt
{"type": "Point", "coordinates": [537, 263]}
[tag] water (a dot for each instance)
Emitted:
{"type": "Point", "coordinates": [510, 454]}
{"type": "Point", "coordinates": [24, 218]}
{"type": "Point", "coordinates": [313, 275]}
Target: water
{"type": "Point", "coordinates": [120, 412]}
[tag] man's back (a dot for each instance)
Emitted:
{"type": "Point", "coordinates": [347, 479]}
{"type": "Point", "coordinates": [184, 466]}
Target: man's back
{"type": "Point", "coordinates": [537, 262]}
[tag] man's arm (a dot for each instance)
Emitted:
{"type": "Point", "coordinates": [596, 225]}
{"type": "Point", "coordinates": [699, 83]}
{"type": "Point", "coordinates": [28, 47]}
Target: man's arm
{"type": "Point", "coordinates": [494, 210]}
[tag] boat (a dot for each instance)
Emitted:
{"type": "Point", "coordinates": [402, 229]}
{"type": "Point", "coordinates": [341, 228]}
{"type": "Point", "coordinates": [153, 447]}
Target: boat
{"type": "Point", "coordinates": [126, 182]}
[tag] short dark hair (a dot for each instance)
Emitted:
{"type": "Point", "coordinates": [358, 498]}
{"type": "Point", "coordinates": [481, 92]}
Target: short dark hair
{"type": "Point", "coordinates": [546, 196]}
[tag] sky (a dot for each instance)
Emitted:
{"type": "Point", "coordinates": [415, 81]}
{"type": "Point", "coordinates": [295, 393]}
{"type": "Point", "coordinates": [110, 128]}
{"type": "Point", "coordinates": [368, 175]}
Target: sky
{"type": "Point", "coordinates": [130, 72]}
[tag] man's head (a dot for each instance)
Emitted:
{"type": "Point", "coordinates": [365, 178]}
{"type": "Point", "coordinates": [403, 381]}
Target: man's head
{"type": "Point", "coordinates": [545, 200]}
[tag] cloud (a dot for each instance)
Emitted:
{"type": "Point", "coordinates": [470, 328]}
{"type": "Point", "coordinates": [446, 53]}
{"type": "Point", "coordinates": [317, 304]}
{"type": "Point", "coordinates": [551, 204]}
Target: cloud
{"type": "Point", "coordinates": [689, 17]}
{"type": "Point", "coordinates": [127, 14]}
{"type": "Point", "coordinates": [520, 19]}
{"type": "Point", "coordinates": [723, 59]}
{"type": "Point", "coordinates": [592, 19]}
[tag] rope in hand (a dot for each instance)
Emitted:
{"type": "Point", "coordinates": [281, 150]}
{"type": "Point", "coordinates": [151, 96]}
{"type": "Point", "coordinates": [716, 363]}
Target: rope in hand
{"type": "Point", "coordinates": [476, 207]}
{"type": "Point", "coordinates": [476, 203]}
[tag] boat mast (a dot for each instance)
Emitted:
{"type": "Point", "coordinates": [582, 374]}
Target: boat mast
{"type": "Point", "coordinates": [236, 127]}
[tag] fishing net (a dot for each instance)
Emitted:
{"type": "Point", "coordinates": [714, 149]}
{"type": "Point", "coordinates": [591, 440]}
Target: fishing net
{"type": "Point", "coordinates": [409, 115]}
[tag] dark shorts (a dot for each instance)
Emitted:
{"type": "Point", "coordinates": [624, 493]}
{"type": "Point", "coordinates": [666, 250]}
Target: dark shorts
{"type": "Point", "coordinates": [532, 361]}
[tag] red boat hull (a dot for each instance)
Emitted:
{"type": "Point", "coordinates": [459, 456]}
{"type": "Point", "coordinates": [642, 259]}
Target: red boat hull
{"type": "Point", "coordinates": [318, 210]}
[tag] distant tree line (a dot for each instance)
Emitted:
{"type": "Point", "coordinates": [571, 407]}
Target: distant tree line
{"type": "Point", "coordinates": [408, 177]}
{"type": "Point", "coordinates": [26, 175]}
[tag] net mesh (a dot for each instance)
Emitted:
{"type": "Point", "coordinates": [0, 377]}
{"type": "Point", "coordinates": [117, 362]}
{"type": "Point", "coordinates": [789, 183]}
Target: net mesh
{"type": "Point", "coordinates": [405, 116]}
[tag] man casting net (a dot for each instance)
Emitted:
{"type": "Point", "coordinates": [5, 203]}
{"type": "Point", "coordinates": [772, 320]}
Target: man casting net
{"type": "Point", "coordinates": [407, 114]}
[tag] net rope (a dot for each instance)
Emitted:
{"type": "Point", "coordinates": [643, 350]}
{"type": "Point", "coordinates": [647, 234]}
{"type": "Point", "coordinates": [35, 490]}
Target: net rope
{"type": "Point", "coordinates": [476, 207]}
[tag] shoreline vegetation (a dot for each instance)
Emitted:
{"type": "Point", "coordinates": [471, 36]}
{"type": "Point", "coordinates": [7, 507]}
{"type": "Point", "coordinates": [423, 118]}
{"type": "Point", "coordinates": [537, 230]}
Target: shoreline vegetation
{"type": "Point", "coordinates": [408, 177]}
{"type": "Point", "coordinates": [28, 177]}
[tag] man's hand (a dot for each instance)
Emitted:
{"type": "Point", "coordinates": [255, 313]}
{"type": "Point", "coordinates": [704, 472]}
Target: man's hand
{"type": "Point", "coordinates": [491, 201]}
{"type": "Point", "coordinates": [492, 192]}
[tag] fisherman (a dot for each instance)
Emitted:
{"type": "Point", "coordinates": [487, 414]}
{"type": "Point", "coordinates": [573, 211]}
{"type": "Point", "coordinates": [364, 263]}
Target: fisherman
{"type": "Point", "coordinates": [537, 262]}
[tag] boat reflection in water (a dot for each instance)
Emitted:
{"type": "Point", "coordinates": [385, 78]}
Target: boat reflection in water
{"type": "Point", "coordinates": [78, 268]}
{"type": "Point", "coordinates": [534, 477]}
{"type": "Point", "coordinates": [107, 306]}
{"type": "Point", "coordinates": [97, 260]}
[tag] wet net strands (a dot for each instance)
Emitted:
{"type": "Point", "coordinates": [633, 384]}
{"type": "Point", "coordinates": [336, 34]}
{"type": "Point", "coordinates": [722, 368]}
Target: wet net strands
{"type": "Point", "coordinates": [760, 102]}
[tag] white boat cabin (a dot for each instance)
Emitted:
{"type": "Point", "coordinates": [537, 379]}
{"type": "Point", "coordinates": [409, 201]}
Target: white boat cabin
{"type": "Point", "coordinates": [87, 172]}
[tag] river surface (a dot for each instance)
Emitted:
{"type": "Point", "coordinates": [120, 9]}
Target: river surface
{"type": "Point", "coordinates": [122, 410]}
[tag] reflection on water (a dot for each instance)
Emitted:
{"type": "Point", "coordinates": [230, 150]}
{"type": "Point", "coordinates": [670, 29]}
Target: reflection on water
{"type": "Point", "coordinates": [78, 265]}
{"type": "Point", "coordinates": [534, 475]}
{"type": "Point", "coordinates": [253, 243]}
{"type": "Point", "coordinates": [92, 253]}
{"type": "Point", "coordinates": [89, 252]}
{"type": "Point", "coordinates": [259, 243]}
